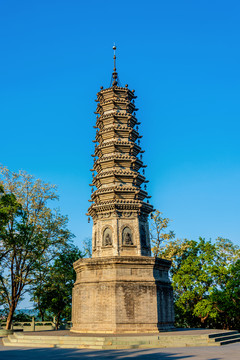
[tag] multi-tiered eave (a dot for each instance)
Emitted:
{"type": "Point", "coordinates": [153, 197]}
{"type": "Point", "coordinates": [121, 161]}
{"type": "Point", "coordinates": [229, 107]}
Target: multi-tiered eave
{"type": "Point", "coordinates": [117, 155]}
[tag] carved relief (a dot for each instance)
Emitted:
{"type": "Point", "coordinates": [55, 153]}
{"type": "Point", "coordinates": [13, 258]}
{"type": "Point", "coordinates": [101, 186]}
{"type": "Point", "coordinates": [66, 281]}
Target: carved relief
{"type": "Point", "coordinates": [107, 237]}
{"type": "Point", "coordinates": [107, 215]}
{"type": "Point", "coordinates": [127, 236]}
{"type": "Point", "coordinates": [127, 213]}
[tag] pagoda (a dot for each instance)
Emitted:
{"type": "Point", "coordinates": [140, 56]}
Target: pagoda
{"type": "Point", "coordinates": [121, 289]}
{"type": "Point", "coordinates": [119, 210]}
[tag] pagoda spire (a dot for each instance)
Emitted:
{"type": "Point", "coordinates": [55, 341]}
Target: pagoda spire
{"type": "Point", "coordinates": [115, 79]}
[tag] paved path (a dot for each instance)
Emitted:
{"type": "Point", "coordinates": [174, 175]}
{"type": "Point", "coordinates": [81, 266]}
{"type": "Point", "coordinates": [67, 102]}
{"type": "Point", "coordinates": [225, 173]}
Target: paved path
{"type": "Point", "coordinates": [227, 352]}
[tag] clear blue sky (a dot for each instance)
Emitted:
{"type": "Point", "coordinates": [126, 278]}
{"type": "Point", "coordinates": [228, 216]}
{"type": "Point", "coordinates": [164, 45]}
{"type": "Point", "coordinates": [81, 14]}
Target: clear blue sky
{"type": "Point", "coordinates": [181, 57]}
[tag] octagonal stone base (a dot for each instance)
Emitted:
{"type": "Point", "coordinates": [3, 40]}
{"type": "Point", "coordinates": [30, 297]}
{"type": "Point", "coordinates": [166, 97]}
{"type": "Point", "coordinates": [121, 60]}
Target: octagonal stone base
{"type": "Point", "coordinates": [122, 295]}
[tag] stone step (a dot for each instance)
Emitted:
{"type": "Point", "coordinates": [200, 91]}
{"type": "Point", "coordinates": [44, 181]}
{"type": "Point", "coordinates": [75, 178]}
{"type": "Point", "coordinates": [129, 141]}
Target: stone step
{"type": "Point", "coordinates": [120, 347]}
{"type": "Point", "coordinates": [107, 344]}
{"type": "Point", "coordinates": [64, 338]}
{"type": "Point", "coordinates": [182, 343]}
{"type": "Point", "coordinates": [152, 346]}
{"type": "Point", "coordinates": [161, 342]}
{"type": "Point", "coordinates": [57, 342]}
{"type": "Point", "coordinates": [110, 341]}
{"type": "Point", "coordinates": [99, 347]}
{"type": "Point", "coordinates": [7, 342]}
{"type": "Point", "coordinates": [12, 338]}
{"type": "Point", "coordinates": [103, 347]}
{"type": "Point", "coordinates": [81, 346]}
{"type": "Point", "coordinates": [230, 341]}
{"type": "Point", "coordinates": [43, 344]}
{"type": "Point", "coordinates": [225, 337]}
{"type": "Point", "coordinates": [135, 342]}
{"type": "Point", "coordinates": [228, 332]}
{"type": "Point", "coordinates": [54, 341]}
{"type": "Point", "coordinates": [163, 339]}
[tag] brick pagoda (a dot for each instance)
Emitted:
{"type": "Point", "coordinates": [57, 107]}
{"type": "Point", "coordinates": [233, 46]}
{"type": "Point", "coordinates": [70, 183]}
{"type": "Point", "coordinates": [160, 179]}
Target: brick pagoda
{"type": "Point", "coordinates": [121, 289]}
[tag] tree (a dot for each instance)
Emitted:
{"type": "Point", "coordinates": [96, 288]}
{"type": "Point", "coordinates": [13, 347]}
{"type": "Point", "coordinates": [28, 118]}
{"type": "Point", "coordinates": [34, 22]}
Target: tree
{"type": "Point", "coordinates": [205, 277]}
{"type": "Point", "coordinates": [205, 291]}
{"type": "Point", "coordinates": [53, 294]}
{"type": "Point", "coordinates": [226, 297]}
{"type": "Point", "coordinates": [158, 233]}
{"type": "Point", "coordinates": [87, 247]}
{"type": "Point", "coordinates": [8, 207]}
{"type": "Point", "coordinates": [193, 278]}
{"type": "Point", "coordinates": [32, 234]}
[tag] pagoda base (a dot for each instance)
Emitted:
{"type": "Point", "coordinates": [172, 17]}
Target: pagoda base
{"type": "Point", "coordinates": [120, 295]}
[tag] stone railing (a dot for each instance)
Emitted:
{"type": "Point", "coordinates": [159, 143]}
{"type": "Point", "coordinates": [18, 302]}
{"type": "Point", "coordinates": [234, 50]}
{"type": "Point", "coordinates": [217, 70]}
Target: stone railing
{"type": "Point", "coordinates": [32, 325]}
{"type": "Point", "coordinates": [37, 325]}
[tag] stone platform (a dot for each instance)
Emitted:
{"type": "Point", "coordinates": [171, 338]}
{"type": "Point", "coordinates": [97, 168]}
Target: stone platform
{"type": "Point", "coordinates": [178, 338]}
{"type": "Point", "coordinates": [127, 294]}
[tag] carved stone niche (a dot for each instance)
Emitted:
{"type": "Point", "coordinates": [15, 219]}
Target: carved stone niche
{"type": "Point", "coordinates": [107, 237]}
{"type": "Point", "coordinates": [127, 238]}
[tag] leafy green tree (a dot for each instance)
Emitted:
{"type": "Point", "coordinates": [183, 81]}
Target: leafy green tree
{"type": "Point", "coordinates": [158, 232]}
{"type": "Point", "coordinates": [31, 234]}
{"type": "Point", "coordinates": [205, 277]}
{"type": "Point", "coordinates": [226, 297]}
{"type": "Point", "coordinates": [204, 289]}
{"type": "Point", "coordinates": [53, 294]}
{"type": "Point", "coordinates": [9, 207]}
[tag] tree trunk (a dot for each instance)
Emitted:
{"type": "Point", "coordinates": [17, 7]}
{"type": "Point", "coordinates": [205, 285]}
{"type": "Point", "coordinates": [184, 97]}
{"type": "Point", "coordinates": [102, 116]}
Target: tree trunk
{"type": "Point", "coordinates": [58, 320]}
{"type": "Point", "coordinates": [10, 317]}
{"type": "Point", "coordinates": [42, 313]}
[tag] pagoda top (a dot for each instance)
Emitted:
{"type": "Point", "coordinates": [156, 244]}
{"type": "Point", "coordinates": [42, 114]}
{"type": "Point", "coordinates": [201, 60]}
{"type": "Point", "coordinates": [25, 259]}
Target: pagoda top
{"type": "Point", "coordinates": [117, 89]}
{"type": "Point", "coordinates": [115, 86]}
{"type": "Point", "coordinates": [115, 79]}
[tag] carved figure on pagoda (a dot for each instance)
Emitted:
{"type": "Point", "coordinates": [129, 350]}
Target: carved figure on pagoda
{"type": "Point", "coordinates": [127, 237]}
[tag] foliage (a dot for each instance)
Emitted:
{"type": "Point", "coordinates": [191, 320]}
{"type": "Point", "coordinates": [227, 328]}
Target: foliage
{"type": "Point", "coordinates": [227, 297]}
{"type": "Point", "coordinates": [8, 206]}
{"type": "Point", "coordinates": [205, 278]}
{"type": "Point", "coordinates": [87, 247]}
{"type": "Point", "coordinates": [31, 233]}
{"type": "Point", "coordinates": [21, 317]}
{"type": "Point", "coordinates": [53, 291]}
{"type": "Point", "coordinates": [206, 292]}
{"type": "Point", "coordinates": [158, 232]}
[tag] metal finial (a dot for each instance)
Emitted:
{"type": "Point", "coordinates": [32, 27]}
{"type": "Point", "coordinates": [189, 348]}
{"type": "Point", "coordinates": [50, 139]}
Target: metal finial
{"type": "Point", "coordinates": [114, 74]}
{"type": "Point", "coordinates": [114, 57]}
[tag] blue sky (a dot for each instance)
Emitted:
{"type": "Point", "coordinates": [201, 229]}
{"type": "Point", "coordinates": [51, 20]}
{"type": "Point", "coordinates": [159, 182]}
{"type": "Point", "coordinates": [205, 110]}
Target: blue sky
{"type": "Point", "coordinates": [181, 57]}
